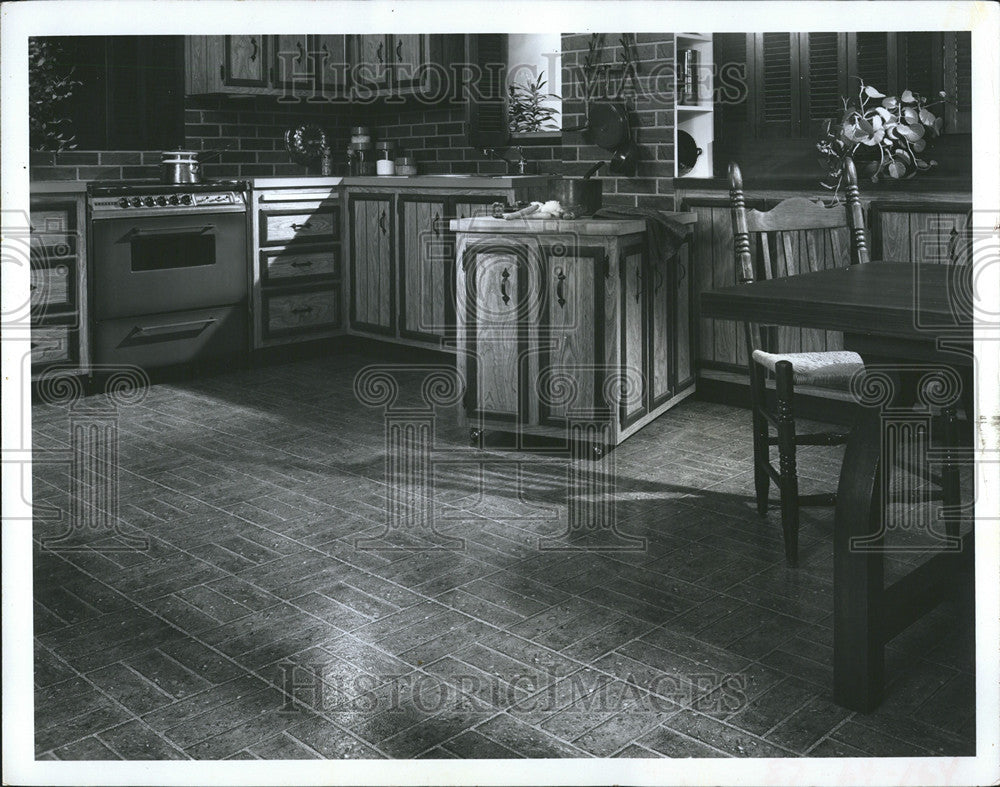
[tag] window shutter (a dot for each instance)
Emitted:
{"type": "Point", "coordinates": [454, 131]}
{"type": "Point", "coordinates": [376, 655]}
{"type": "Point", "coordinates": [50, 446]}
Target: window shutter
{"type": "Point", "coordinates": [732, 53]}
{"type": "Point", "coordinates": [777, 97]}
{"type": "Point", "coordinates": [920, 54]}
{"type": "Point", "coordinates": [872, 64]}
{"type": "Point", "coordinates": [486, 96]}
{"type": "Point", "coordinates": [824, 80]}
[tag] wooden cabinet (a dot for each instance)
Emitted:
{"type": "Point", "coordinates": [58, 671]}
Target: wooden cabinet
{"type": "Point", "coordinates": [295, 68]}
{"type": "Point", "coordinates": [372, 238]}
{"type": "Point", "coordinates": [561, 325]}
{"type": "Point", "coordinates": [394, 64]}
{"type": "Point", "coordinates": [332, 65]}
{"type": "Point", "coordinates": [426, 308]}
{"type": "Point", "coordinates": [297, 265]}
{"type": "Point", "coordinates": [58, 283]}
{"type": "Point", "coordinates": [246, 62]}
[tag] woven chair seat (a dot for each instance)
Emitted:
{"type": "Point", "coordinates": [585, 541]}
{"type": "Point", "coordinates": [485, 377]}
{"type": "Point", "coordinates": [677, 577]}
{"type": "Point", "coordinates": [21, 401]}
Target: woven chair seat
{"type": "Point", "coordinates": [830, 369]}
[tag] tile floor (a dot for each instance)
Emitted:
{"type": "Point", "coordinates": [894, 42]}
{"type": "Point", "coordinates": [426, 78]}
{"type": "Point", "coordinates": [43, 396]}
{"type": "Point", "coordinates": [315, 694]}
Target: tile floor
{"type": "Point", "coordinates": [254, 625]}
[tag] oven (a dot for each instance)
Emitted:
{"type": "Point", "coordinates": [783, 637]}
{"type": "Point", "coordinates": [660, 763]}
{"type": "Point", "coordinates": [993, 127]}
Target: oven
{"type": "Point", "coordinates": [169, 272]}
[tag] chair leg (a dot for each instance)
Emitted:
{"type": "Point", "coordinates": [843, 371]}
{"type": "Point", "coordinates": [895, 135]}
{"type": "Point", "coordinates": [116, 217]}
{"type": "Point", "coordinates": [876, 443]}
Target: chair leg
{"type": "Point", "coordinates": [784, 389]}
{"type": "Point", "coordinates": [761, 452]}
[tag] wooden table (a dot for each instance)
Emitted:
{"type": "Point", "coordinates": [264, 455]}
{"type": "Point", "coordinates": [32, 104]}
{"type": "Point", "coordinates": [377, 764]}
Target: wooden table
{"type": "Point", "coordinates": [890, 313]}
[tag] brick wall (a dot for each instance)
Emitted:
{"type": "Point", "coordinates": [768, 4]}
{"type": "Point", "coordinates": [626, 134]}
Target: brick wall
{"type": "Point", "coordinates": [651, 116]}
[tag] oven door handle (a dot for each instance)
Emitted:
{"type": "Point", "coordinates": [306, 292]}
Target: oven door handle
{"type": "Point", "coordinates": [135, 232]}
{"type": "Point", "coordinates": [160, 333]}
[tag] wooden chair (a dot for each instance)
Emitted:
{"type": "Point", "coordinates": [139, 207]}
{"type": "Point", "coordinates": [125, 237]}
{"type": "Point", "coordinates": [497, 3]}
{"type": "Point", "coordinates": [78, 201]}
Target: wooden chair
{"type": "Point", "coordinates": [791, 238]}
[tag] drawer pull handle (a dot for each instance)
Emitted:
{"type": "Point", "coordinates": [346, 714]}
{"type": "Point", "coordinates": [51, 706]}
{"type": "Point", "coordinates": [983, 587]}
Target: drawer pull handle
{"type": "Point", "coordinates": [302, 310]}
{"type": "Point", "coordinates": [302, 264]}
{"type": "Point", "coordinates": [378, 52]}
{"type": "Point", "coordinates": [560, 287]}
{"type": "Point", "coordinates": [381, 222]}
{"type": "Point", "coordinates": [304, 226]}
{"type": "Point", "coordinates": [504, 282]}
{"type": "Point", "coordinates": [32, 287]}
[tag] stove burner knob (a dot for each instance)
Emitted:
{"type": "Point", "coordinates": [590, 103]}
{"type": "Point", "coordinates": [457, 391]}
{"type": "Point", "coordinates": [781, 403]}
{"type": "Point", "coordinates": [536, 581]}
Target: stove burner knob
{"type": "Point", "coordinates": [123, 203]}
{"type": "Point", "coordinates": [148, 202]}
{"type": "Point", "coordinates": [173, 199]}
{"type": "Point", "coordinates": [161, 200]}
{"type": "Point", "coordinates": [135, 202]}
{"type": "Point", "coordinates": [186, 199]}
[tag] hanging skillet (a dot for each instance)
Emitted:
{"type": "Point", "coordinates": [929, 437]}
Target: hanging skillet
{"type": "Point", "coordinates": [687, 153]}
{"type": "Point", "coordinates": [606, 125]}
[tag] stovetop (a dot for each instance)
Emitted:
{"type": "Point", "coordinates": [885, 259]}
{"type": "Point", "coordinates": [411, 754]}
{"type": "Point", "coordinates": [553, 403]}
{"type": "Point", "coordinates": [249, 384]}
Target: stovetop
{"type": "Point", "coordinates": [141, 188]}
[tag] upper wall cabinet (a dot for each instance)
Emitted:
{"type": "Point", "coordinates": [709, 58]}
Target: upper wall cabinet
{"type": "Point", "coordinates": [785, 85]}
{"type": "Point", "coordinates": [297, 67]}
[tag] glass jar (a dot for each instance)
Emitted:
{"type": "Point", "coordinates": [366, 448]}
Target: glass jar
{"type": "Point", "coordinates": [384, 163]}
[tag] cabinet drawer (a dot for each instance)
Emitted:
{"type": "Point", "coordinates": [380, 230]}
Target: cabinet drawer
{"type": "Point", "coordinates": [53, 229]}
{"type": "Point", "coordinates": [51, 344]}
{"type": "Point", "coordinates": [51, 287]}
{"type": "Point", "coordinates": [283, 226]}
{"type": "Point", "coordinates": [302, 311]}
{"type": "Point", "coordinates": [287, 266]}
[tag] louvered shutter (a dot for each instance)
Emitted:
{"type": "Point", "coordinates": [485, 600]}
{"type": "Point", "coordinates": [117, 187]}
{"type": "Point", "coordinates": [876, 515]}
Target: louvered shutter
{"type": "Point", "coordinates": [871, 65]}
{"type": "Point", "coordinates": [733, 53]}
{"type": "Point", "coordinates": [485, 97]}
{"type": "Point", "coordinates": [824, 79]}
{"type": "Point", "coordinates": [776, 96]}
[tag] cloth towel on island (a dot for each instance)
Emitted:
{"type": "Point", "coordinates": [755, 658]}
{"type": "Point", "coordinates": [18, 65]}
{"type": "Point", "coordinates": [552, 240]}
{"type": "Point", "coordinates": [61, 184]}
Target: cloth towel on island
{"type": "Point", "coordinates": [666, 235]}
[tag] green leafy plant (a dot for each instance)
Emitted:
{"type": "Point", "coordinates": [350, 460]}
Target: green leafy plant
{"type": "Point", "coordinates": [525, 110]}
{"type": "Point", "coordinates": [886, 135]}
{"type": "Point", "coordinates": [50, 85]}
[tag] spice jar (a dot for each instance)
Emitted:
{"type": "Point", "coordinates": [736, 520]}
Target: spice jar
{"type": "Point", "coordinates": [363, 163]}
{"type": "Point", "coordinates": [384, 164]}
{"type": "Point", "coordinates": [406, 165]}
{"type": "Point", "coordinates": [361, 135]}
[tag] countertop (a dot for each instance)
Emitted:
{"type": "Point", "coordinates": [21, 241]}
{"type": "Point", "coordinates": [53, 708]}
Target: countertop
{"type": "Point", "coordinates": [58, 186]}
{"type": "Point", "coordinates": [450, 181]}
{"type": "Point", "coordinates": [585, 226]}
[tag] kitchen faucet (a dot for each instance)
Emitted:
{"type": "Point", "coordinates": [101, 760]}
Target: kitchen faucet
{"type": "Point", "coordinates": [521, 162]}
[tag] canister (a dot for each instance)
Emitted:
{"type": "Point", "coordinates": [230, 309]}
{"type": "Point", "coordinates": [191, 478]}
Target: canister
{"type": "Point", "coordinates": [384, 164]}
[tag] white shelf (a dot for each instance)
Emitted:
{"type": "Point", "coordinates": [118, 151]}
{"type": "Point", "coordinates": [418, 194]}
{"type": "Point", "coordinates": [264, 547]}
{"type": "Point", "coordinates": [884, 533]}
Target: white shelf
{"type": "Point", "coordinates": [698, 120]}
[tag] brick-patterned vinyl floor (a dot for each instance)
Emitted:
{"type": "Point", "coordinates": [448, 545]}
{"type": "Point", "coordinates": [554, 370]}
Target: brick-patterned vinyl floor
{"type": "Point", "coordinates": [253, 624]}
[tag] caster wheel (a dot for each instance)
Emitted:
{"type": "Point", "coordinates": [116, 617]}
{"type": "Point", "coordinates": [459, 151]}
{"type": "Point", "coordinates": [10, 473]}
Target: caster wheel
{"type": "Point", "coordinates": [475, 437]}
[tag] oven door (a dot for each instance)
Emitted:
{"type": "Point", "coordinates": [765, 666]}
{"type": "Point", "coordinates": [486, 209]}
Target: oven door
{"type": "Point", "coordinates": [150, 264]}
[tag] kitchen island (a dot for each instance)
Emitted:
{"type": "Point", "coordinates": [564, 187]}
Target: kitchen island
{"type": "Point", "coordinates": [570, 323]}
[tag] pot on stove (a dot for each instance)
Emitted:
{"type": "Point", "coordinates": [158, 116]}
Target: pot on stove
{"type": "Point", "coordinates": [180, 166]}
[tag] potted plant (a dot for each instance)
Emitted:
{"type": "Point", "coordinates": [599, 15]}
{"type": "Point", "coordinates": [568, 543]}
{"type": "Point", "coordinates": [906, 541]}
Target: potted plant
{"type": "Point", "coordinates": [50, 85]}
{"type": "Point", "coordinates": [885, 135]}
{"type": "Point", "coordinates": [525, 111]}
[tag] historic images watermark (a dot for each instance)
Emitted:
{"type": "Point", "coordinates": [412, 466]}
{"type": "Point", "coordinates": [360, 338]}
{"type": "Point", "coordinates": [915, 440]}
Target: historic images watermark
{"type": "Point", "coordinates": [525, 309]}
{"type": "Point", "coordinates": [317, 687]}
{"type": "Point", "coordinates": [37, 331]}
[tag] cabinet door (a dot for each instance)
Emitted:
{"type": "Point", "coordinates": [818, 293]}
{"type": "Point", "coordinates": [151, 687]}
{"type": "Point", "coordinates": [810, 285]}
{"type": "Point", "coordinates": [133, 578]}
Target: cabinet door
{"type": "Point", "coordinates": [661, 332]}
{"type": "Point", "coordinates": [372, 269]}
{"type": "Point", "coordinates": [409, 53]}
{"type": "Point", "coordinates": [683, 375]}
{"type": "Point", "coordinates": [330, 53]}
{"type": "Point", "coordinates": [246, 61]}
{"type": "Point", "coordinates": [293, 68]}
{"type": "Point", "coordinates": [426, 312]}
{"type": "Point", "coordinates": [634, 323]}
{"type": "Point", "coordinates": [371, 64]}
{"type": "Point", "coordinates": [498, 313]}
{"type": "Point", "coordinates": [571, 339]}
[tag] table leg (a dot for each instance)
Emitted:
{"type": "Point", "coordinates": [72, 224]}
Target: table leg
{"type": "Point", "coordinates": [858, 658]}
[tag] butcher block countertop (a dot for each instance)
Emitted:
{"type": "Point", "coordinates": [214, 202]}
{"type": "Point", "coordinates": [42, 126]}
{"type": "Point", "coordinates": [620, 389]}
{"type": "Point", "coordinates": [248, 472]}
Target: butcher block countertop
{"type": "Point", "coordinates": [585, 226]}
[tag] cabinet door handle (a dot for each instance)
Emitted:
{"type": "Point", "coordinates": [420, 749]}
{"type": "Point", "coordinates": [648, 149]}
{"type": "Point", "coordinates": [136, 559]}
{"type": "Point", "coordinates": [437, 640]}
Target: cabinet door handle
{"type": "Point", "coordinates": [659, 280]}
{"type": "Point", "coordinates": [302, 264]}
{"type": "Point", "coordinates": [560, 287]}
{"type": "Point", "coordinates": [222, 71]}
{"type": "Point", "coordinates": [253, 54]}
{"type": "Point", "coordinates": [298, 45]}
{"type": "Point", "coordinates": [302, 310]}
{"type": "Point", "coordinates": [381, 222]}
{"type": "Point", "coordinates": [434, 224]}
{"type": "Point", "coordinates": [399, 50]}
{"type": "Point", "coordinates": [681, 272]}
{"type": "Point", "coordinates": [638, 282]}
{"type": "Point", "coordinates": [504, 282]}
{"type": "Point", "coordinates": [378, 53]}
{"type": "Point", "coordinates": [304, 226]}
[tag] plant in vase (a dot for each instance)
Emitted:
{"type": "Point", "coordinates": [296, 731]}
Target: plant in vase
{"type": "Point", "coordinates": [885, 135]}
{"type": "Point", "coordinates": [525, 110]}
{"type": "Point", "coordinates": [50, 86]}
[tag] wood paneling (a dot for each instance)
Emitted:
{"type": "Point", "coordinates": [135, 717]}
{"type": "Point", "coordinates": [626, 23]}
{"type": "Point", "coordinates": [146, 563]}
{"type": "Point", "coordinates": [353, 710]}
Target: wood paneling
{"type": "Point", "coordinates": [426, 259]}
{"type": "Point", "coordinates": [372, 262]}
{"type": "Point", "coordinates": [661, 329]}
{"type": "Point", "coordinates": [633, 352]}
{"type": "Point", "coordinates": [288, 265]}
{"type": "Point", "coordinates": [305, 311]}
{"type": "Point", "coordinates": [283, 226]}
{"type": "Point", "coordinates": [246, 63]}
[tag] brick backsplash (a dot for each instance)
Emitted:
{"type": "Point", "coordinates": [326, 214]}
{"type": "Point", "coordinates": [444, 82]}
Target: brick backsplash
{"type": "Point", "coordinates": [249, 133]}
